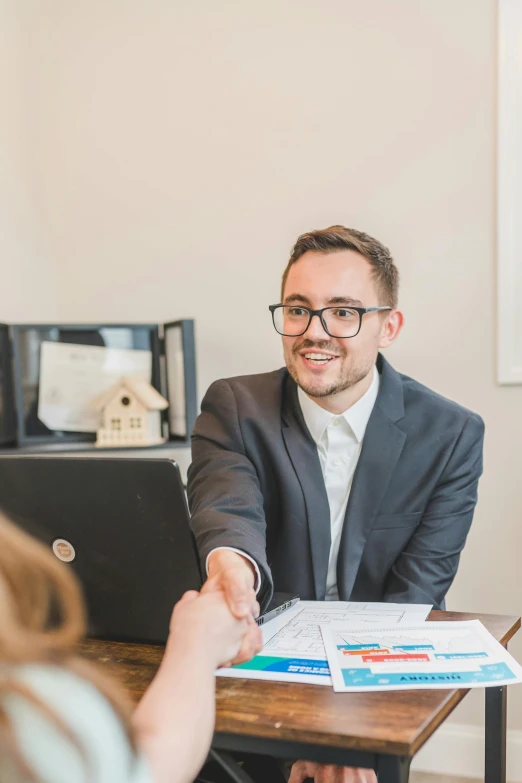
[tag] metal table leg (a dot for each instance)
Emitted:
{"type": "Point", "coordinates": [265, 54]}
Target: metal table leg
{"type": "Point", "coordinates": [230, 766]}
{"type": "Point", "coordinates": [393, 769]}
{"type": "Point", "coordinates": [496, 708]}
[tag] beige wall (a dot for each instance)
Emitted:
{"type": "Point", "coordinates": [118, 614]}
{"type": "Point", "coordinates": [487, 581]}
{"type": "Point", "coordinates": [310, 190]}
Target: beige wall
{"type": "Point", "coordinates": [177, 149]}
{"type": "Point", "coordinates": [27, 285]}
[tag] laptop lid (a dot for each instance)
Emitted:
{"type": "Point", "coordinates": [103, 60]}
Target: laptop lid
{"type": "Point", "coordinates": [122, 525]}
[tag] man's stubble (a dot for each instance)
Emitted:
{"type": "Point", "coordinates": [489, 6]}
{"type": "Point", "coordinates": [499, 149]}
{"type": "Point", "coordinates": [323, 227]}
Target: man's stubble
{"type": "Point", "coordinates": [350, 372]}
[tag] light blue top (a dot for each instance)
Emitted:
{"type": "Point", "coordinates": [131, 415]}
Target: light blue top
{"type": "Point", "coordinates": [89, 716]}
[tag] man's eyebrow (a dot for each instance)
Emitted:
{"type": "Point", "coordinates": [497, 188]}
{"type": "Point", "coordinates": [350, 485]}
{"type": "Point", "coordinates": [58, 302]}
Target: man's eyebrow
{"type": "Point", "coordinates": [334, 300]}
{"type": "Point", "coordinates": [346, 300]}
{"type": "Point", "coordinates": [296, 298]}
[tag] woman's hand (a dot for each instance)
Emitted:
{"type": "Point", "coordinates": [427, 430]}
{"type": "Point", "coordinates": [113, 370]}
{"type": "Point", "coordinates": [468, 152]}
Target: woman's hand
{"type": "Point", "coordinates": [203, 626]}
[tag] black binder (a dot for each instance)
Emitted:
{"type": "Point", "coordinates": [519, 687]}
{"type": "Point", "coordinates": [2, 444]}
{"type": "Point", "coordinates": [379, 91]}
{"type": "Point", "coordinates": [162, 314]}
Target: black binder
{"type": "Point", "coordinates": [7, 408]}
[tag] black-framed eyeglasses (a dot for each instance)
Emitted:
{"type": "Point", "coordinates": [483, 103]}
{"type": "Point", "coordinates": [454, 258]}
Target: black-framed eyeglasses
{"type": "Point", "coordinates": [340, 321]}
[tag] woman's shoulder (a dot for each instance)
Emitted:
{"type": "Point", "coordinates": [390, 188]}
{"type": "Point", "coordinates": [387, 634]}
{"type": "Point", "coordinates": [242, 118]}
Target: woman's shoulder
{"type": "Point", "coordinates": [69, 728]}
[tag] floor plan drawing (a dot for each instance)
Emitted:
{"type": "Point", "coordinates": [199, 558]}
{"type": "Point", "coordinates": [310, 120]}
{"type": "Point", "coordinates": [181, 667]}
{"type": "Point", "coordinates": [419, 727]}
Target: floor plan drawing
{"type": "Point", "coordinates": [293, 647]}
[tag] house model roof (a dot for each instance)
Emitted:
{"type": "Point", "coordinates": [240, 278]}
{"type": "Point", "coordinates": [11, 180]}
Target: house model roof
{"type": "Point", "coordinates": [141, 389]}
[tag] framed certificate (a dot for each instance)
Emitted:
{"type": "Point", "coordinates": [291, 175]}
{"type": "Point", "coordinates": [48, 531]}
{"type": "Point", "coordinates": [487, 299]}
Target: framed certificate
{"type": "Point", "coordinates": [59, 368]}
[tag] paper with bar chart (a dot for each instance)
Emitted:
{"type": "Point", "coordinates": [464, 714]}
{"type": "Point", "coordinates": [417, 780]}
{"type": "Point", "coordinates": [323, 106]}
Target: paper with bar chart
{"type": "Point", "coordinates": [431, 655]}
{"type": "Point", "coordinates": [293, 649]}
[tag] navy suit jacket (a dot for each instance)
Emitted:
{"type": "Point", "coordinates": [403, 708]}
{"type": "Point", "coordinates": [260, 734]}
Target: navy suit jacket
{"type": "Point", "coordinates": [255, 483]}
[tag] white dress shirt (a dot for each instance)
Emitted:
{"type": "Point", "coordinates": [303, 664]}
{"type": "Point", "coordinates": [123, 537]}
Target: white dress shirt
{"type": "Point", "coordinates": [339, 440]}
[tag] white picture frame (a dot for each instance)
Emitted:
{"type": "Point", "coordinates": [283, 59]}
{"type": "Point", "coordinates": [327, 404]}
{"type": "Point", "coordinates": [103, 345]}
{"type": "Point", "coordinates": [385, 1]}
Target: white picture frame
{"type": "Point", "coordinates": [509, 193]}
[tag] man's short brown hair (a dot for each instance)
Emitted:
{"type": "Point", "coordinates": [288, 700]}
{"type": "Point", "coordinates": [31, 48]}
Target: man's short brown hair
{"type": "Point", "coordinates": [337, 238]}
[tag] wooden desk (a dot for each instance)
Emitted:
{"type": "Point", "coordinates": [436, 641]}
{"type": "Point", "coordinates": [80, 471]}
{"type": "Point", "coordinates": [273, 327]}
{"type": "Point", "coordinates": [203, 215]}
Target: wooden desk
{"type": "Point", "coordinates": [313, 722]}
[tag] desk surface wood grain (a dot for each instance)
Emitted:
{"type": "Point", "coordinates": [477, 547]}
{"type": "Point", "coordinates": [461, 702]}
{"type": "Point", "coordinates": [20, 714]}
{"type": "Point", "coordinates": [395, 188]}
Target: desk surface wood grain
{"type": "Point", "coordinates": [397, 723]}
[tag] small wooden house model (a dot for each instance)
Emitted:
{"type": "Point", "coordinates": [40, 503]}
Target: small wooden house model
{"type": "Point", "coordinates": [131, 414]}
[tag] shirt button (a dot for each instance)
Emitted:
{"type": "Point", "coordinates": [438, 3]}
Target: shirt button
{"type": "Point", "coordinates": [336, 422]}
{"type": "Point", "coordinates": [337, 462]}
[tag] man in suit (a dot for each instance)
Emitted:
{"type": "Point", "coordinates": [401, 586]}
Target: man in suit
{"type": "Point", "coordinates": [335, 477]}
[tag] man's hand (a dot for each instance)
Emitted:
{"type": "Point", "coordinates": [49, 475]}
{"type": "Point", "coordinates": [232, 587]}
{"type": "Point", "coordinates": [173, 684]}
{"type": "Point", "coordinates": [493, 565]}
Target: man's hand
{"type": "Point", "coordinates": [233, 574]}
{"type": "Point", "coordinates": [329, 773]}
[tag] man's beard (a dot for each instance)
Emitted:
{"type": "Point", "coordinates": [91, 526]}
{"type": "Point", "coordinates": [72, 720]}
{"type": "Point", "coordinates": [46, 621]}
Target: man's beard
{"type": "Point", "coordinates": [346, 378]}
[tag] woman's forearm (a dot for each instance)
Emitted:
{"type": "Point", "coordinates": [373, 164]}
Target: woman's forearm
{"type": "Point", "coordinates": [174, 720]}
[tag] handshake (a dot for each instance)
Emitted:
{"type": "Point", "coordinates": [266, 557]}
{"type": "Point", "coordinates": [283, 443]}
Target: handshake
{"type": "Point", "coordinates": [220, 621]}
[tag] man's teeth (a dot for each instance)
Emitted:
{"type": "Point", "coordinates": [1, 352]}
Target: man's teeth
{"type": "Point", "coordinates": [320, 358]}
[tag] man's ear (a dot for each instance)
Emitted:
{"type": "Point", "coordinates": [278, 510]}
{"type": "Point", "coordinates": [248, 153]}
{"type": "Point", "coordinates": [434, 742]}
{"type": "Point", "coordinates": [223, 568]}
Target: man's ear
{"type": "Point", "coordinates": [391, 328]}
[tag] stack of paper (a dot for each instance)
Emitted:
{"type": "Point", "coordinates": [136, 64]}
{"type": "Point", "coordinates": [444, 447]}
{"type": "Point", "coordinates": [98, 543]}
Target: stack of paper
{"type": "Point", "coordinates": [293, 649]}
{"type": "Point", "coordinates": [376, 647]}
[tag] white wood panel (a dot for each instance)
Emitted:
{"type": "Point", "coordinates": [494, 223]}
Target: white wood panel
{"type": "Point", "coordinates": [509, 195]}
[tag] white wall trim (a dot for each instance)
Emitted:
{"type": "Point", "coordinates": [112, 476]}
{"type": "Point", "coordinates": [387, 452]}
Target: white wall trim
{"type": "Point", "coordinates": [458, 749]}
{"type": "Point", "coordinates": [509, 192]}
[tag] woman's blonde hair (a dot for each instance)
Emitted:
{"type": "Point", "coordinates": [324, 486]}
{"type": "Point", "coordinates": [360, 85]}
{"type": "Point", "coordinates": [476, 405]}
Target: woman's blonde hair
{"type": "Point", "coordinates": [42, 620]}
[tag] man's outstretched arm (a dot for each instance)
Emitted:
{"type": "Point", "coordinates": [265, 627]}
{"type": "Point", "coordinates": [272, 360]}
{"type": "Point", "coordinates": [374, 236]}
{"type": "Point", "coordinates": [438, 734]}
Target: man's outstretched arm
{"type": "Point", "coordinates": [226, 505]}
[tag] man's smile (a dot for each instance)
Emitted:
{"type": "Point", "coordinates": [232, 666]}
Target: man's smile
{"type": "Point", "coordinates": [317, 358]}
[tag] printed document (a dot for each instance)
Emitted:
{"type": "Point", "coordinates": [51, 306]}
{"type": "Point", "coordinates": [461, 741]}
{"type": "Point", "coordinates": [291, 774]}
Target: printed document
{"type": "Point", "coordinates": [431, 655]}
{"type": "Point", "coordinates": [293, 649]}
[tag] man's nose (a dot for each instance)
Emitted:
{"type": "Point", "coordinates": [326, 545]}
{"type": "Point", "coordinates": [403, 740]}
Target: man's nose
{"type": "Point", "coordinates": [316, 330]}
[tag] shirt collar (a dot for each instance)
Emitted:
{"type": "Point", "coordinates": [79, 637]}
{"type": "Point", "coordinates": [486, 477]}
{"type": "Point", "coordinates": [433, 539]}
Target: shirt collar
{"type": "Point", "coordinates": [317, 419]}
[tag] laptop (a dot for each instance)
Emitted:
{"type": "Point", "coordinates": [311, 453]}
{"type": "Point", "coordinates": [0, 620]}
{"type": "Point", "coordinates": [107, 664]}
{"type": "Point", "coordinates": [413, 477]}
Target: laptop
{"type": "Point", "coordinates": [122, 525]}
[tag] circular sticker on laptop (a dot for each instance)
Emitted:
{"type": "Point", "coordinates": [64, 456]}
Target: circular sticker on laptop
{"type": "Point", "coordinates": [64, 550]}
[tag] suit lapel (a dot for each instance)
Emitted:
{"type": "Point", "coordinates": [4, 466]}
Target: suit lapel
{"type": "Point", "coordinates": [305, 460]}
{"type": "Point", "coordinates": [382, 446]}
